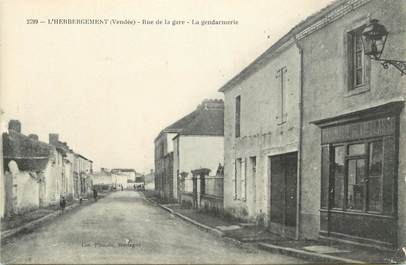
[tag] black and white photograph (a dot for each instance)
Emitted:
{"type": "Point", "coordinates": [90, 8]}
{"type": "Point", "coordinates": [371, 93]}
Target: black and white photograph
{"type": "Point", "coordinates": [203, 131]}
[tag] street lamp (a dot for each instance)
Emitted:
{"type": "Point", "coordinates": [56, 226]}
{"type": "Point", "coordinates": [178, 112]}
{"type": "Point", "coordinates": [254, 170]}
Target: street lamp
{"type": "Point", "coordinates": [374, 38]}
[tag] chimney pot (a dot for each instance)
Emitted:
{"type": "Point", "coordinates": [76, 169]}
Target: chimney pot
{"type": "Point", "coordinates": [33, 137]}
{"type": "Point", "coordinates": [14, 125]}
{"type": "Point", "coordinates": [53, 138]}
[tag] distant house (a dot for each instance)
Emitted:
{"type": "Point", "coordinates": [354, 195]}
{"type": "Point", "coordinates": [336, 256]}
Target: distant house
{"type": "Point", "coordinates": [82, 170]}
{"type": "Point", "coordinates": [102, 180]}
{"type": "Point", "coordinates": [200, 144]}
{"type": "Point", "coordinates": [121, 176]}
{"type": "Point", "coordinates": [65, 184]}
{"type": "Point", "coordinates": [164, 157]}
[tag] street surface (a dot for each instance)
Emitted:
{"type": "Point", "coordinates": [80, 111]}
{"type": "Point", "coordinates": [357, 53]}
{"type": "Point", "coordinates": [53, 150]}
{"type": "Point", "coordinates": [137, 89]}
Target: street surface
{"type": "Point", "coordinates": [125, 228]}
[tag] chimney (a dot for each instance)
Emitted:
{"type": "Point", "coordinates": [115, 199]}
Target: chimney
{"type": "Point", "coordinates": [14, 125]}
{"type": "Point", "coordinates": [212, 104]}
{"type": "Point", "coordinates": [53, 138]}
{"type": "Point", "coordinates": [33, 137]}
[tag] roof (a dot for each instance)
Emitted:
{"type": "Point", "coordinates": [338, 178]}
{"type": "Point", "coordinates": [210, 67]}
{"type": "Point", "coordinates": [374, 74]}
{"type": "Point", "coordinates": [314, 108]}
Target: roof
{"type": "Point", "coordinates": [206, 119]}
{"type": "Point", "coordinates": [17, 145]}
{"type": "Point", "coordinates": [101, 174]}
{"type": "Point", "coordinates": [178, 125]}
{"type": "Point", "coordinates": [29, 154]}
{"type": "Point", "coordinates": [83, 157]}
{"type": "Point", "coordinates": [123, 169]}
{"type": "Point", "coordinates": [206, 122]}
{"type": "Point", "coordinates": [259, 61]}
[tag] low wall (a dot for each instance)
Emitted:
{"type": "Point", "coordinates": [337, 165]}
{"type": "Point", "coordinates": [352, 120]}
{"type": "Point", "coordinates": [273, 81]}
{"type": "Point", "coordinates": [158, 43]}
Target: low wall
{"type": "Point", "coordinates": [186, 199]}
{"type": "Point", "coordinates": [211, 203]}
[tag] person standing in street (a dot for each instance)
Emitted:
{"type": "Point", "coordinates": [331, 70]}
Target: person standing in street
{"type": "Point", "coordinates": [62, 202]}
{"type": "Point", "coordinates": [95, 194]}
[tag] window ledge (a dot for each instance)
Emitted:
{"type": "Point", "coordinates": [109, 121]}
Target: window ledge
{"type": "Point", "coordinates": [353, 212]}
{"type": "Point", "coordinates": [357, 90]}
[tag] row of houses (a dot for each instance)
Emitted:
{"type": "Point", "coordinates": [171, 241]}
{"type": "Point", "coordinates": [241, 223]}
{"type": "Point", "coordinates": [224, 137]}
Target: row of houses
{"type": "Point", "coordinates": [312, 134]}
{"type": "Point", "coordinates": [39, 174]}
{"type": "Point", "coordinates": [117, 178]}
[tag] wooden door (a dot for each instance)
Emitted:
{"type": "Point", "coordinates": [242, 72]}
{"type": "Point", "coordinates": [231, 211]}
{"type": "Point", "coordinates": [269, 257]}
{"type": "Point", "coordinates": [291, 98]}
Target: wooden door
{"type": "Point", "coordinates": [283, 194]}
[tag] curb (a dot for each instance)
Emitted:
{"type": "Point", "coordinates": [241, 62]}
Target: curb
{"type": "Point", "coordinates": [187, 219]}
{"type": "Point", "coordinates": [316, 257]}
{"type": "Point", "coordinates": [200, 225]}
{"type": "Point", "coordinates": [28, 227]}
{"type": "Point", "coordinates": [310, 256]}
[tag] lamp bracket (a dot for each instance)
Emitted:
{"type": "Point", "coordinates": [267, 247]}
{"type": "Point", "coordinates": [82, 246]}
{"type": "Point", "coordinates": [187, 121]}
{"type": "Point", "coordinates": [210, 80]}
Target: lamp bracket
{"type": "Point", "coordinates": [400, 65]}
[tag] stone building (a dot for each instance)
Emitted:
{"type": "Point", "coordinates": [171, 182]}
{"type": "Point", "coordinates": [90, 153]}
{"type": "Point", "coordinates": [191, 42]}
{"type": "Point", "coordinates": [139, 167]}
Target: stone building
{"type": "Point", "coordinates": [261, 139]}
{"type": "Point", "coordinates": [163, 157]}
{"type": "Point", "coordinates": [354, 142]}
{"type": "Point", "coordinates": [26, 161]}
{"type": "Point", "coordinates": [82, 170]}
{"type": "Point", "coordinates": [200, 144]}
{"type": "Point", "coordinates": [332, 164]}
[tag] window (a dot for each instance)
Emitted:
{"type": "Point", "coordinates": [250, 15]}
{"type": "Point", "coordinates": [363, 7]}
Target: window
{"type": "Point", "coordinates": [237, 116]}
{"type": "Point", "coordinates": [283, 95]}
{"type": "Point", "coordinates": [356, 176]}
{"type": "Point", "coordinates": [338, 175]}
{"type": "Point", "coordinates": [375, 176]}
{"type": "Point", "coordinates": [357, 60]}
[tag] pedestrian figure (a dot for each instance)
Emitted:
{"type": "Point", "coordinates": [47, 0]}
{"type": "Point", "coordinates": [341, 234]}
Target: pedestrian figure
{"type": "Point", "coordinates": [122, 188]}
{"type": "Point", "coordinates": [95, 194]}
{"type": "Point", "coordinates": [62, 202]}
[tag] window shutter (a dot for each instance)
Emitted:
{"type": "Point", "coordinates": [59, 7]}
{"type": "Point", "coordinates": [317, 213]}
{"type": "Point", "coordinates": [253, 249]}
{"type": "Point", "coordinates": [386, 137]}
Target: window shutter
{"type": "Point", "coordinates": [284, 94]}
{"type": "Point", "coordinates": [233, 182]}
{"type": "Point", "coordinates": [243, 181]}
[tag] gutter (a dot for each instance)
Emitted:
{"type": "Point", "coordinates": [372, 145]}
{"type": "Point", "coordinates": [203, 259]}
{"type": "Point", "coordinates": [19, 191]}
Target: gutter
{"type": "Point", "coordinates": [299, 166]}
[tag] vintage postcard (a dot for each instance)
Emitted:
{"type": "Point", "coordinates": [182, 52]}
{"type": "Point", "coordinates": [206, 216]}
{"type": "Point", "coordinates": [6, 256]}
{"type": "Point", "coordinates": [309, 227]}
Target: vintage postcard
{"type": "Point", "coordinates": [203, 132]}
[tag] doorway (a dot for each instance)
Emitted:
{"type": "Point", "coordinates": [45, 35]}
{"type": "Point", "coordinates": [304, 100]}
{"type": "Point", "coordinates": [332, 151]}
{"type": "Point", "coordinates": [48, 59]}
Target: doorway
{"type": "Point", "coordinates": [283, 194]}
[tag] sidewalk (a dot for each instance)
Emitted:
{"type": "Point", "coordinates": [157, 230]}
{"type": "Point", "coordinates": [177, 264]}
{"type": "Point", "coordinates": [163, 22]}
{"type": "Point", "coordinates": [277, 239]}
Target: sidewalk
{"type": "Point", "coordinates": [28, 221]}
{"type": "Point", "coordinates": [312, 250]}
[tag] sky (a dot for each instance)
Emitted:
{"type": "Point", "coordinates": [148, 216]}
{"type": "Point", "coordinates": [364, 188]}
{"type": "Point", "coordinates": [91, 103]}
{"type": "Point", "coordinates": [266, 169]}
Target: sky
{"type": "Point", "coordinates": [108, 90]}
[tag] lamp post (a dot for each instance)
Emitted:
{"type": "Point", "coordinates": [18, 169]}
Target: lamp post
{"type": "Point", "coordinates": [374, 37]}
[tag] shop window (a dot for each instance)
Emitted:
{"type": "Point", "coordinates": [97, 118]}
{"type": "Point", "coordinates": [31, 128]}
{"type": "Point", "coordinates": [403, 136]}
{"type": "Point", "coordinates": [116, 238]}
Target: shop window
{"type": "Point", "coordinates": [338, 175]}
{"type": "Point", "coordinates": [353, 176]}
{"type": "Point", "coordinates": [355, 186]}
{"type": "Point", "coordinates": [375, 176]}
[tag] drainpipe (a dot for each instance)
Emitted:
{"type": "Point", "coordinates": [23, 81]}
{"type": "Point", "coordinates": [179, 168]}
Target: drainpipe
{"type": "Point", "coordinates": [299, 166]}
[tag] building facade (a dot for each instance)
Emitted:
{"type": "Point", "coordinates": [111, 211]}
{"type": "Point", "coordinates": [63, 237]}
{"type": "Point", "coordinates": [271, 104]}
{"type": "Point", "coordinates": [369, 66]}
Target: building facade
{"type": "Point", "coordinates": [262, 132]}
{"type": "Point", "coordinates": [163, 157]}
{"type": "Point", "coordinates": [354, 124]}
{"type": "Point", "coordinates": [314, 131]}
{"type": "Point", "coordinates": [200, 144]}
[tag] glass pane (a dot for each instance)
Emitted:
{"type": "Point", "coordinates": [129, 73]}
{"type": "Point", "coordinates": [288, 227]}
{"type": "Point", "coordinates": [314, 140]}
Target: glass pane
{"type": "Point", "coordinates": [358, 42]}
{"type": "Point", "coordinates": [375, 158]}
{"type": "Point", "coordinates": [355, 193]}
{"type": "Point", "coordinates": [358, 60]}
{"type": "Point", "coordinates": [374, 195]}
{"type": "Point", "coordinates": [338, 176]}
{"type": "Point", "coordinates": [358, 77]}
{"type": "Point", "coordinates": [356, 149]}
